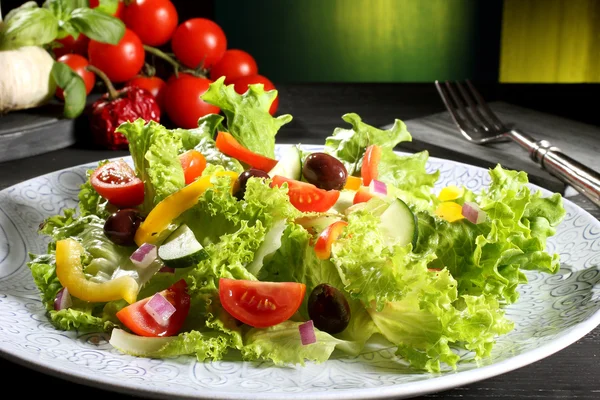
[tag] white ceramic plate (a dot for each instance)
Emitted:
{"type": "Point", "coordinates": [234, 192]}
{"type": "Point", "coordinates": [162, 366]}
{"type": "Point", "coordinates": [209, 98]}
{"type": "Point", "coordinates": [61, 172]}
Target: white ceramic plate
{"type": "Point", "coordinates": [553, 312]}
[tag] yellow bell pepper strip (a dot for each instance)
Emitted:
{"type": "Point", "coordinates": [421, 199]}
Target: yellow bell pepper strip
{"type": "Point", "coordinates": [450, 211]}
{"type": "Point", "coordinates": [450, 193]}
{"type": "Point", "coordinates": [70, 274]}
{"type": "Point", "coordinates": [353, 183]}
{"type": "Point", "coordinates": [173, 206]}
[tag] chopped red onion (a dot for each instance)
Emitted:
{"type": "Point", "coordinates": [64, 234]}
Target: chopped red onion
{"type": "Point", "coordinates": [168, 270]}
{"type": "Point", "coordinates": [144, 255]}
{"type": "Point", "coordinates": [160, 309]}
{"type": "Point", "coordinates": [378, 188]}
{"type": "Point", "coordinates": [473, 213]}
{"type": "Point", "coordinates": [63, 299]}
{"type": "Point", "coordinates": [307, 333]}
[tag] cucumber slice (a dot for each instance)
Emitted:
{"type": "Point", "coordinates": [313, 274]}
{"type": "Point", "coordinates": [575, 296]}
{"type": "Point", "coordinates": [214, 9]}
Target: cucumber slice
{"type": "Point", "coordinates": [344, 202]}
{"type": "Point", "coordinates": [289, 165]}
{"type": "Point", "coordinates": [182, 249]}
{"type": "Point", "coordinates": [399, 224]}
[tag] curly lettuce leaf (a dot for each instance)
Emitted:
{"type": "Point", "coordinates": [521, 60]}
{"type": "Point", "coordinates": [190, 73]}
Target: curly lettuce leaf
{"type": "Point", "coordinates": [248, 118]}
{"type": "Point", "coordinates": [90, 202]}
{"type": "Point", "coordinates": [349, 145]}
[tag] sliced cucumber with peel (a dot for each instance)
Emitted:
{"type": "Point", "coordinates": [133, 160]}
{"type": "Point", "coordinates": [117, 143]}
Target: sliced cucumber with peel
{"type": "Point", "coordinates": [399, 224]}
{"type": "Point", "coordinates": [182, 249]}
{"type": "Point", "coordinates": [289, 165]}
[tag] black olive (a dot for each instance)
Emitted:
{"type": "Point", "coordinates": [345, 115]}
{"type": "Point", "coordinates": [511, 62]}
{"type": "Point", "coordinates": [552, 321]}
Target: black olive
{"type": "Point", "coordinates": [121, 226]}
{"type": "Point", "coordinates": [328, 309]}
{"type": "Point", "coordinates": [239, 186]}
{"type": "Point", "coordinates": [324, 171]}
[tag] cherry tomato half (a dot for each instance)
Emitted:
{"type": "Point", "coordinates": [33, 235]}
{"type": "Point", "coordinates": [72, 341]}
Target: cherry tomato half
{"type": "Point", "coordinates": [140, 322]}
{"type": "Point", "coordinates": [370, 163]}
{"type": "Point", "coordinates": [235, 64]}
{"type": "Point", "coordinates": [199, 41]}
{"type": "Point", "coordinates": [363, 194]}
{"type": "Point", "coordinates": [227, 144]}
{"type": "Point", "coordinates": [307, 197]}
{"type": "Point", "coordinates": [119, 62]}
{"type": "Point", "coordinates": [183, 103]}
{"type": "Point", "coordinates": [154, 21]}
{"type": "Point", "coordinates": [260, 304]}
{"type": "Point", "coordinates": [193, 164]}
{"type": "Point", "coordinates": [326, 239]}
{"type": "Point", "coordinates": [241, 86]}
{"type": "Point", "coordinates": [116, 182]}
{"type": "Point", "coordinates": [72, 45]}
{"type": "Point", "coordinates": [153, 84]}
{"type": "Point", "coordinates": [78, 64]}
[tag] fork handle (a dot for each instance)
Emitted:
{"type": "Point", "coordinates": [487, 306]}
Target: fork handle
{"type": "Point", "coordinates": [585, 180]}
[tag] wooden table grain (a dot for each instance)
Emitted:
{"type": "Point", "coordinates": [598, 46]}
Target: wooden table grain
{"type": "Point", "coordinates": [572, 373]}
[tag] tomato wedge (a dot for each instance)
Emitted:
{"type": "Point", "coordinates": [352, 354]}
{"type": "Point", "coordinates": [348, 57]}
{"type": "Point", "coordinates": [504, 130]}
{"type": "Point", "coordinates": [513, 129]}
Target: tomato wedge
{"type": "Point", "coordinates": [368, 171]}
{"type": "Point", "coordinates": [193, 164]}
{"type": "Point", "coordinates": [116, 181]}
{"type": "Point", "coordinates": [140, 322]}
{"type": "Point", "coordinates": [261, 304]}
{"type": "Point", "coordinates": [306, 197]}
{"type": "Point", "coordinates": [362, 195]}
{"type": "Point", "coordinates": [227, 144]}
{"type": "Point", "coordinates": [326, 239]}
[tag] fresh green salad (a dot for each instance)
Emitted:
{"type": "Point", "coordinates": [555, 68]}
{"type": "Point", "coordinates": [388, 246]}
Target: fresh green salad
{"type": "Point", "coordinates": [207, 245]}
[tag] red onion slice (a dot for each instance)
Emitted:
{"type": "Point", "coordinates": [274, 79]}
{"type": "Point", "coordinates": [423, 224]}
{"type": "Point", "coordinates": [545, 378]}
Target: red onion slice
{"type": "Point", "coordinates": [144, 255]}
{"type": "Point", "coordinates": [473, 213]}
{"type": "Point", "coordinates": [63, 299]}
{"type": "Point", "coordinates": [160, 309]}
{"type": "Point", "coordinates": [307, 333]}
{"type": "Point", "coordinates": [378, 188]}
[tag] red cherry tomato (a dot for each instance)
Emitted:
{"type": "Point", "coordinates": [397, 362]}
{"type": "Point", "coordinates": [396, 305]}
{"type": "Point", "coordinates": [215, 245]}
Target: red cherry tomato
{"type": "Point", "coordinates": [235, 64]}
{"type": "Point", "coordinates": [326, 239]}
{"type": "Point", "coordinates": [307, 197]}
{"type": "Point", "coordinates": [241, 86]}
{"type": "Point", "coordinates": [261, 304]}
{"type": "Point", "coordinates": [118, 13]}
{"type": "Point", "coordinates": [183, 103]}
{"type": "Point", "coordinates": [116, 182]}
{"type": "Point", "coordinates": [193, 164]}
{"type": "Point", "coordinates": [199, 41]}
{"type": "Point", "coordinates": [71, 45]}
{"type": "Point", "coordinates": [368, 171]}
{"type": "Point", "coordinates": [153, 84]}
{"type": "Point", "coordinates": [154, 21]}
{"type": "Point", "coordinates": [140, 322]}
{"type": "Point", "coordinates": [78, 64]}
{"type": "Point", "coordinates": [227, 144]}
{"type": "Point", "coordinates": [119, 62]}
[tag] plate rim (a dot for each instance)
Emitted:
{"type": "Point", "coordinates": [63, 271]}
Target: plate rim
{"type": "Point", "coordinates": [437, 383]}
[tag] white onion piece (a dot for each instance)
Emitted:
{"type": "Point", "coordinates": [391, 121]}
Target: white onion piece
{"type": "Point", "coordinates": [160, 309]}
{"type": "Point", "coordinates": [307, 333]}
{"type": "Point", "coordinates": [473, 213]}
{"type": "Point", "coordinates": [144, 255]}
{"type": "Point", "coordinates": [63, 299]}
{"type": "Point", "coordinates": [378, 188]}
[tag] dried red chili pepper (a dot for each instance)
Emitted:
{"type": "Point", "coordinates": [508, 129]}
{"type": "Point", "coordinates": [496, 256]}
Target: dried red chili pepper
{"type": "Point", "coordinates": [117, 107]}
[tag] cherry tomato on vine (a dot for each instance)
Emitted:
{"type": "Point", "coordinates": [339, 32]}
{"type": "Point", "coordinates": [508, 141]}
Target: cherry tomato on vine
{"type": "Point", "coordinates": [199, 41]}
{"type": "Point", "coordinates": [119, 62]}
{"type": "Point", "coordinates": [241, 86]}
{"type": "Point", "coordinates": [235, 64]}
{"type": "Point", "coordinates": [118, 13]}
{"type": "Point", "coordinates": [153, 84]}
{"type": "Point", "coordinates": [72, 45]}
{"type": "Point", "coordinates": [78, 64]}
{"type": "Point", "coordinates": [154, 21]}
{"type": "Point", "coordinates": [183, 103]}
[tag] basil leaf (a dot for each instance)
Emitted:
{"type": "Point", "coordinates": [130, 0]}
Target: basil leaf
{"type": "Point", "coordinates": [67, 29]}
{"type": "Point", "coordinates": [98, 26]}
{"type": "Point", "coordinates": [73, 88]}
{"type": "Point", "coordinates": [62, 9]}
{"type": "Point", "coordinates": [28, 26]}
{"type": "Point", "coordinates": [108, 6]}
{"type": "Point", "coordinates": [11, 13]}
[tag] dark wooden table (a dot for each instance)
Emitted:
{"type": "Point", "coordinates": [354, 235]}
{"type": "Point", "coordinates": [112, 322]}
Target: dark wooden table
{"type": "Point", "coordinates": [573, 373]}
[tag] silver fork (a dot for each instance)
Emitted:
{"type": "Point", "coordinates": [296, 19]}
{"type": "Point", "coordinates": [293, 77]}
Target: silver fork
{"type": "Point", "coordinates": [478, 124]}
